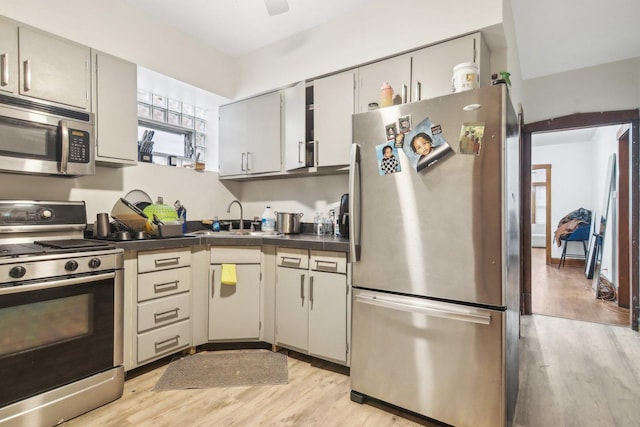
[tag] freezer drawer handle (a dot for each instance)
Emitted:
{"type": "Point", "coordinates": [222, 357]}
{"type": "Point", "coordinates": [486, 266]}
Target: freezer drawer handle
{"type": "Point", "coordinates": [465, 317]}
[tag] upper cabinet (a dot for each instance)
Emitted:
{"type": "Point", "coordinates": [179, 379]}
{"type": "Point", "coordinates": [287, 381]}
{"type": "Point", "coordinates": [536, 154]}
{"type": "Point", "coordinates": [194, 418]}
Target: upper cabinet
{"type": "Point", "coordinates": [432, 67]}
{"type": "Point", "coordinates": [44, 66]}
{"type": "Point", "coordinates": [115, 107]}
{"type": "Point", "coordinates": [250, 136]}
{"type": "Point", "coordinates": [395, 71]}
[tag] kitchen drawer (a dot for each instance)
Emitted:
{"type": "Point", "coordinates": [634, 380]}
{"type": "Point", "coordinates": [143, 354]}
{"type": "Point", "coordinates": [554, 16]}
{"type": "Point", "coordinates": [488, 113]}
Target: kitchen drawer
{"type": "Point", "coordinates": [164, 341]}
{"type": "Point", "coordinates": [333, 262]}
{"type": "Point", "coordinates": [293, 257]}
{"type": "Point", "coordinates": [163, 259]}
{"type": "Point", "coordinates": [235, 255]}
{"type": "Point", "coordinates": [163, 311]}
{"type": "Point", "coordinates": [163, 283]}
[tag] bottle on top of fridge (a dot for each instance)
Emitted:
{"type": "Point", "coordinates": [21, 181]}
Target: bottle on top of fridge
{"type": "Point", "coordinates": [268, 221]}
{"type": "Point", "coordinates": [386, 95]}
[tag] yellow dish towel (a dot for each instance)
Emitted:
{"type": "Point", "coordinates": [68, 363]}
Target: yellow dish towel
{"type": "Point", "coordinates": [228, 276]}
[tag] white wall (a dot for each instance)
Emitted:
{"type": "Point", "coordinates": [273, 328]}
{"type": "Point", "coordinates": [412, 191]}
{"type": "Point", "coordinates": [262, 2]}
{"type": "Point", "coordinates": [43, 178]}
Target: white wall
{"type": "Point", "coordinates": [378, 29]}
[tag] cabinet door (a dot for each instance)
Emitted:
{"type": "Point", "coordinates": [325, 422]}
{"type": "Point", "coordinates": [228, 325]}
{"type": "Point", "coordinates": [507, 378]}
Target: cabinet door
{"type": "Point", "coordinates": [8, 56]}
{"type": "Point", "coordinates": [432, 67]}
{"type": "Point", "coordinates": [333, 104]}
{"type": "Point", "coordinates": [294, 126]}
{"type": "Point", "coordinates": [114, 104]}
{"type": "Point", "coordinates": [396, 71]}
{"type": "Point", "coordinates": [234, 310]}
{"type": "Point", "coordinates": [263, 134]}
{"type": "Point", "coordinates": [292, 303]}
{"type": "Point", "coordinates": [54, 69]}
{"type": "Point", "coordinates": [328, 315]}
{"type": "Point", "coordinates": [233, 135]}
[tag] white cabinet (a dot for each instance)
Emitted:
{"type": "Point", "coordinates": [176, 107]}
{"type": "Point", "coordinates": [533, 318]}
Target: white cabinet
{"type": "Point", "coordinates": [333, 105]}
{"type": "Point", "coordinates": [318, 121]}
{"type": "Point", "coordinates": [54, 69]}
{"type": "Point", "coordinates": [162, 309]}
{"type": "Point", "coordinates": [234, 310]}
{"type": "Point", "coordinates": [250, 136]}
{"type": "Point", "coordinates": [311, 303]}
{"type": "Point", "coordinates": [396, 71]}
{"type": "Point", "coordinates": [8, 56]}
{"type": "Point", "coordinates": [432, 67]}
{"type": "Point", "coordinates": [115, 108]}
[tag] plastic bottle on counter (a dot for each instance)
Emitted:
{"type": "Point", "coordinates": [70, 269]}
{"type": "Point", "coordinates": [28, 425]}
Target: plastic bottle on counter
{"type": "Point", "coordinates": [216, 224]}
{"type": "Point", "coordinates": [182, 215]}
{"type": "Point", "coordinates": [268, 221]}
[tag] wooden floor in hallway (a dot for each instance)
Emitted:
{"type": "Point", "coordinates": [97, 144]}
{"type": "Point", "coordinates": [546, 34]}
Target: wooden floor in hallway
{"type": "Point", "coordinates": [566, 292]}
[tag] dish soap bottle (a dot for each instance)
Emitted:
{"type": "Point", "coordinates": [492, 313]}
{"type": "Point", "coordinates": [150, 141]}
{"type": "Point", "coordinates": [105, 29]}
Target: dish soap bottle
{"type": "Point", "coordinates": [268, 221]}
{"type": "Point", "coordinates": [216, 224]}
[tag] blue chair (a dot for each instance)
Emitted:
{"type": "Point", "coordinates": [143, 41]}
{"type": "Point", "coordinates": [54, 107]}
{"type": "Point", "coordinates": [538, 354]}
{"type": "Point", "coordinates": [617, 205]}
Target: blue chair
{"type": "Point", "coordinates": [580, 234]}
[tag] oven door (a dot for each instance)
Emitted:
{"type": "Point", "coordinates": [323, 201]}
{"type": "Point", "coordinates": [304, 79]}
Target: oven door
{"type": "Point", "coordinates": [56, 332]}
{"type": "Point", "coordinates": [34, 142]}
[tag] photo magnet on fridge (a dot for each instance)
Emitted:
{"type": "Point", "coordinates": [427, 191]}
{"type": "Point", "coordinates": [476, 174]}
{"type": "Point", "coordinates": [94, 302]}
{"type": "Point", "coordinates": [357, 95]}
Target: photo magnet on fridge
{"type": "Point", "coordinates": [391, 130]}
{"type": "Point", "coordinates": [388, 161]}
{"type": "Point", "coordinates": [425, 145]}
{"type": "Point", "coordinates": [471, 138]}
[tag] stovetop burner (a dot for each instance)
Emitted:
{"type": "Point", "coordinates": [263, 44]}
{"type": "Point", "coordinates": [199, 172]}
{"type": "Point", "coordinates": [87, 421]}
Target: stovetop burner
{"type": "Point", "coordinates": [73, 244]}
{"type": "Point", "coordinates": [52, 247]}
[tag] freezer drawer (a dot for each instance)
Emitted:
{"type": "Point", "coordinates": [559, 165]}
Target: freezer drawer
{"type": "Point", "coordinates": [441, 360]}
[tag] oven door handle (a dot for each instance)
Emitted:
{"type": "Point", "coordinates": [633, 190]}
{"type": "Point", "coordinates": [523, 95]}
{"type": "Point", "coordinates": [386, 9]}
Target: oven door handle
{"type": "Point", "coordinates": [79, 280]}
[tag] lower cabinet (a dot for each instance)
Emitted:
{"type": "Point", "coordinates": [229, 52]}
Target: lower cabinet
{"type": "Point", "coordinates": [234, 309]}
{"type": "Point", "coordinates": [162, 312]}
{"type": "Point", "coordinates": [312, 297]}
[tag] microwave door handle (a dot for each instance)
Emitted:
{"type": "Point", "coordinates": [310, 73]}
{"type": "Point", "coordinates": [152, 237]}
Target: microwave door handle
{"type": "Point", "coordinates": [64, 135]}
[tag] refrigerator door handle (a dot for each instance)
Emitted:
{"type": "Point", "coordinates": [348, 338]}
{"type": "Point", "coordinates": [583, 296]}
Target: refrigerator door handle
{"type": "Point", "coordinates": [483, 319]}
{"type": "Point", "coordinates": [354, 205]}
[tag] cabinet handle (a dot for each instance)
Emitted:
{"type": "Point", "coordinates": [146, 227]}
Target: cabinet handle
{"type": "Point", "coordinates": [168, 343]}
{"type": "Point", "coordinates": [300, 160]}
{"type": "Point", "coordinates": [418, 91]}
{"type": "Point", "coordinates": [302, 287]}
{"type": "Point", "coordinates": [248, 157]}
{"type": "Point", "coordinates": [404, 94]}
{"type": "Point", "coordinates": [167, 261]}
{"type": "Point", "coordinates": [290, 260]}
{"type": "Point", "coordinates": [166, 314]}
{"type": "Point", "coordinates": [327, 264]}
{"type": "Point", "coordinates": [311, 289]}
{"type": "Point", "coordinates": [4, 59]}
{"type": "Point", "coordinates": [242, 162]}
{"type": "Point", "coordinates": [27, 75]}
{"type": "Point", "coordinates": [213, 283]}
{"type": "Point", "coordinates": [166, 286]}
{"type": "Point", "coordinates": [316, 152]}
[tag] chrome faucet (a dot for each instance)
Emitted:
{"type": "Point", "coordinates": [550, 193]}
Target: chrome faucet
{"type": "Point", "coordinates": [241, 215]}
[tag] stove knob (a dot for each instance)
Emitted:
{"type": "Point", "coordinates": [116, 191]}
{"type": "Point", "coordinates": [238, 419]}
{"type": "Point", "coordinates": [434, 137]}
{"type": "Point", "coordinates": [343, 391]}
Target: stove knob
{"type": "Point", "coordinates": [17, 272]}
{"type": "Point", "coordinates": [94, 262]}
{"type": "Point", "coordinates": [71, 265]}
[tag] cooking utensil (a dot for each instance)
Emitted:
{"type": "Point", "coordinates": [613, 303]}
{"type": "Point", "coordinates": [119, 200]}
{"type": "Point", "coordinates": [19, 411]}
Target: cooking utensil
{"type": "Point", "coordinates": [123, 235]}
{"type": "Point", "coordinates": [127, 213]}
{"type": "Point", "coordinates": [288, 223]}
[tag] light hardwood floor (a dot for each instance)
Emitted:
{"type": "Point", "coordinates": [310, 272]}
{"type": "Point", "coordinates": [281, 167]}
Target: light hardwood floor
{"type": "Point", "coordinates": [572, 374]}
{"type": "Point", "coordinates": [566, 292]}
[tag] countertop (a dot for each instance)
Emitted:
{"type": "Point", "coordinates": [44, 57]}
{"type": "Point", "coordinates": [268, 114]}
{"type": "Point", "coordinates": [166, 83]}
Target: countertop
{"type": "Point", "coordinates": [303, 241]}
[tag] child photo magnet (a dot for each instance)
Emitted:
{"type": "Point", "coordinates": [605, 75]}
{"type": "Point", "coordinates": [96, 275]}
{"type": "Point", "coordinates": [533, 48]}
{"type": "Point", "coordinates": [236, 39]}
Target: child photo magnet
{"type": "Point", "coordinates": [471, 138]}
{"type": "Point", "coordinates": [388, 162]}
{"type": "Point", "coordinates": [425, 145]}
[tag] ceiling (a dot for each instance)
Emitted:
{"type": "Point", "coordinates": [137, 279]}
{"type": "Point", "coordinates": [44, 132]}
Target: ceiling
{"type": "Point", "coordinates": [552, 36]}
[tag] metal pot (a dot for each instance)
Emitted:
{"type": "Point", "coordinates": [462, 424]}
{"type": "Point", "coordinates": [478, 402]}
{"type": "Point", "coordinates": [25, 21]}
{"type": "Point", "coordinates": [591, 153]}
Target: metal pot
{"type": "Point", "coordinates": [288, 223]}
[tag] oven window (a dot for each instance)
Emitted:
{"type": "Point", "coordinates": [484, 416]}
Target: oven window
{"type": "Point", "coordinates": [54, 336]}
{"type": "Point", "coordinates": [43, 323]}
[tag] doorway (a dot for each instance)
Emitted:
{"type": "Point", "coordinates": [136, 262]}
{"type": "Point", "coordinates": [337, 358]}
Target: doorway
{"type": "Point", "coordinates": [538, 258]}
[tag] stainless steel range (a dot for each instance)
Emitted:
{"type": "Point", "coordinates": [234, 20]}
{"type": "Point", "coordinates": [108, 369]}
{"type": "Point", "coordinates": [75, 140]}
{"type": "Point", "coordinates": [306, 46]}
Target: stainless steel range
{"type": "Point", "coordinates": [61, 309]}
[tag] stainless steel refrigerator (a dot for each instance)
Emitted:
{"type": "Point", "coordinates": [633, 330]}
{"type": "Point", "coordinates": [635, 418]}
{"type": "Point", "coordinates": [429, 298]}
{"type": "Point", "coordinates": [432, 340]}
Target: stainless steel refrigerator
{"type": "Point", "coordinates": [434, 203]}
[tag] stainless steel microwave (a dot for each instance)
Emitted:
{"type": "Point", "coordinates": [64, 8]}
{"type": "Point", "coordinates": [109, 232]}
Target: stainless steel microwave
{"type": "Point", "coordinates": [37, 138]}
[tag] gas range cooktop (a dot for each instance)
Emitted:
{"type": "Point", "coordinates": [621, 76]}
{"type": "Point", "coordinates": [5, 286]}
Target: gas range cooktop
{"type": "Point", "coordinates": [62, 246]}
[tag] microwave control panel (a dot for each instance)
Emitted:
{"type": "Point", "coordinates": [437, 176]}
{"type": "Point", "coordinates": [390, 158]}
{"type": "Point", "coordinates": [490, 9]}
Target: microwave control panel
{"type": "Point", "coordinates": [79, 147]}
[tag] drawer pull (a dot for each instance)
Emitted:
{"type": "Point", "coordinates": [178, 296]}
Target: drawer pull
{"type": "Point", "coordinates": [168, 343]}
{"type": "Point", "coordinates": [327, 264]}
{"type": "Point", "coordinates": [166, 315]}
{"type": "Point", "coordinates": [291, 260]}
{"type": "Point", "coordinates": [162, 262]}
{"type": "Point", "coordinates": [163, 287]}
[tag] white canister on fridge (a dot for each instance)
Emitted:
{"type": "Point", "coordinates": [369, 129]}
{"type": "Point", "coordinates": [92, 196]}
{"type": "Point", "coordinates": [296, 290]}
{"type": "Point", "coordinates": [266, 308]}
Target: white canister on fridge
{"type": "Point", "coordinates": [465, 77]}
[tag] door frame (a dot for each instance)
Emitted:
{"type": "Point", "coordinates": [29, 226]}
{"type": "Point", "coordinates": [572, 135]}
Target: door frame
{"type": "Point", "coordinates": [547, 226]}
{"type": "Point", "coordinates": [574, 121]}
